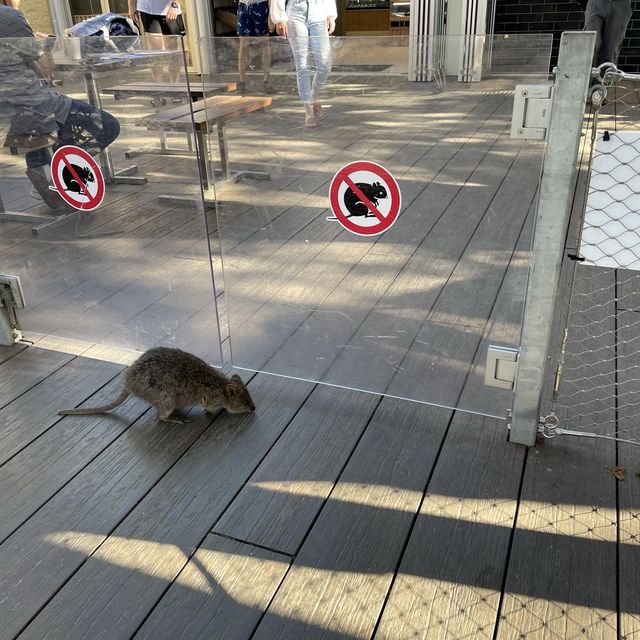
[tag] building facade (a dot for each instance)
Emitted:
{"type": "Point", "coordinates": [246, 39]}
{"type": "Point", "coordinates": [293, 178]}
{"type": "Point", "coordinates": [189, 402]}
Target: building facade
{"type": "Point", "coordinates": [553, 16]}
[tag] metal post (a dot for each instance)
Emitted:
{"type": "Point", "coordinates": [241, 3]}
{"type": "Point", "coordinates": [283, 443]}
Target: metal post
{"type": "Point", "coordinates": [554, 209]}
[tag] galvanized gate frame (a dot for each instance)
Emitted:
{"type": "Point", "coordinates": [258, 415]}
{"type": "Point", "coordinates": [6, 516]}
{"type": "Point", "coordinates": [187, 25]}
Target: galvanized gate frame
{"type": "Point", "coordinates": [572, 77]}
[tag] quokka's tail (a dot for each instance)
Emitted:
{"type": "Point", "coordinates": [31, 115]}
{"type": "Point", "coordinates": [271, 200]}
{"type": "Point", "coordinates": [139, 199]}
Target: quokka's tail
{"type": "Point", "coordinates": [87, 410]}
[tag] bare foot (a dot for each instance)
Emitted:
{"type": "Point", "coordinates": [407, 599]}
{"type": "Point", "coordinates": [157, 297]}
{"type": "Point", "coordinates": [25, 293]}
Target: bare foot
{"type": "Point", "coordinates": [310, 119]}
{"type": "Point", "coordinates": [317, 110]}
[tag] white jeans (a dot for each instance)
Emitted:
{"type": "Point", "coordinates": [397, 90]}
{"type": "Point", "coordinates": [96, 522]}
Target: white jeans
{"type": "Point", "coordinates": [307, 26]}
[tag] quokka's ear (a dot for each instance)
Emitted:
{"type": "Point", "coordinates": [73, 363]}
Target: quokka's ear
{"type": "Point", "coordinates": [237, 380]}
{"type": "Point", "coordinates": [231, 391]}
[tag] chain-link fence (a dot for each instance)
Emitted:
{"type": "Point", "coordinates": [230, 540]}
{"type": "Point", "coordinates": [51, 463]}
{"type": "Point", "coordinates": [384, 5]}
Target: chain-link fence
{"type": "Point", "coordinates": [597, 387]}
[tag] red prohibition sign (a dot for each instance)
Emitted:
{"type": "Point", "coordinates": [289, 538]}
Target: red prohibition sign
{"type": "Point", "coordinates": [77, 178]}
{"type": "Point", "coordinates": [385, 211]}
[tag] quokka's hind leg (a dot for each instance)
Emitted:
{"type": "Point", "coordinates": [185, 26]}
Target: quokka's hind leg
{"type": "Point", "coordinates": [165, 412]}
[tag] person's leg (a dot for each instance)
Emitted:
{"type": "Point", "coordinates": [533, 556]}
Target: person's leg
{"type": "Point", "coordinates": [614, 30]}
{"type": "Point", "coordinates": [299, 42]}
{"type": "Point", "coordinates": [321, 51]}
{"type": "Point", "coordinates": [260, 16]}
{"type": "Point", "coordinates": [153, 30]}
{"type": "Point", "coordinates": [243, 61]}
{"type": "Point", "coordinates": [87, 127]}
{"type": "Point", "coordinates": [244, 28]}
{"type": "Point", "coordinates": [172, 30]}
{"type": "Point", "coordinates": [266, 63]}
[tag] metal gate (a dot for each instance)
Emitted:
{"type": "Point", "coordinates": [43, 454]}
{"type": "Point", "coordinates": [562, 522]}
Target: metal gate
{"type": "Point", "coordinates": [579, 371]}
{"type": "Point", "coordinates": [597, 386]}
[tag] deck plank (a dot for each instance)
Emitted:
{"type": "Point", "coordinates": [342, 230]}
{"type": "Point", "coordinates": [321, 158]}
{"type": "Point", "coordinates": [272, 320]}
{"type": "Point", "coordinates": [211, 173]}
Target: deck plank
{"type": "Point", "coordinates": [39, 471]}
{"type": "Point", "coordinates": [35, 411]}
{"type": "Point", "coordinates": [306, 461]}
{"type": "Point", "coordinates": [48, 549]}
{"type": "Point", "coordinates": [339, 580]}
{"type": "Point", "coordinates": [628, 490]}
{"type": "Point", "coordinates": [128, 574]}
{"type": "Point", "coordinates": [222, 592]}
{"type": "Point", "coordinates": [567, 526]}
{"type": "Point", "coordinates": [450, 578]}
{"type": "Point", "coordinates": [24, 370]}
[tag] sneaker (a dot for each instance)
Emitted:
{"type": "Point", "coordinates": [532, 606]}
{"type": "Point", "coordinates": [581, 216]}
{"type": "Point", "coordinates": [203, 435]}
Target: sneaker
{"type": "Point", "coordinates": [268, 88]}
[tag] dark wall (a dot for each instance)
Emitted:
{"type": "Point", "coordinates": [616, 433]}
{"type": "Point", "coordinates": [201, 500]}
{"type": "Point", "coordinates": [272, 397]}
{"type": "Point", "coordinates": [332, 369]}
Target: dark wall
{"type": "Point", "coordinates": [551, 16]}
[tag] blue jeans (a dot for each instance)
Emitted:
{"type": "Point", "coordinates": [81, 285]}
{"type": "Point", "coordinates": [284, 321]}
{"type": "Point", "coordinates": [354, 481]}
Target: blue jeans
{"type": "Point", "coordinates": [307, 26]}
{"type": "Point", "coordinates": [86, 127]}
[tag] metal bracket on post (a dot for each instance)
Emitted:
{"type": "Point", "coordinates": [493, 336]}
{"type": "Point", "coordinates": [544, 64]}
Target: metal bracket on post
{"type": "Point", "coordinates": [11, 298]}
{"type": "Point", "coordinates": [500, 370]}
{"type": "Point", "coordinates": [554, 210]}
{"type": "Point", "coordinates": [531, 111]}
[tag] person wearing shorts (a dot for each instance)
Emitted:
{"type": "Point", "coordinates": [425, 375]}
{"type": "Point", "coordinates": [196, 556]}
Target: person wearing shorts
{"type": "Point", "coordinates": [253, 22]}
{"type": "Point", "coordinates": [161, 19]}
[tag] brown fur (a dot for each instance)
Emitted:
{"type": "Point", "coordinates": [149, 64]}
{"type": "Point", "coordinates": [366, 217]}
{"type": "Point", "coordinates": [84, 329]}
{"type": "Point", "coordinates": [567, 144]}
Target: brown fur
{"type": "Point", "coordinates": [170, 378]}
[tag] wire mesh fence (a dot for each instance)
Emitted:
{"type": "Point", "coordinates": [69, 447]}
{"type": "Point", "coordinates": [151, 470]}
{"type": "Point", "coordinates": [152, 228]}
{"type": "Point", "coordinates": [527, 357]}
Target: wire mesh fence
{"type": "Point", "coordinates": [598, 383]}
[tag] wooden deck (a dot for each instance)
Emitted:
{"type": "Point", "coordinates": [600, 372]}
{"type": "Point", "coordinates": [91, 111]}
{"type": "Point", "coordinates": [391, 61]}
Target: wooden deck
{"type": "Point", "coordinates": [329, 513]}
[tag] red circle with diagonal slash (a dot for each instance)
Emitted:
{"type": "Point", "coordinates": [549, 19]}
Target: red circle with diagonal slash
{"type": "Point", "coordinates": [80, 165]}
{"type": "Point", "coordinates": [369, 173]}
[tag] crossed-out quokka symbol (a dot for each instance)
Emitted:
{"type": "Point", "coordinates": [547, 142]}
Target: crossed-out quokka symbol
{"type": "Point", "coordinates": [365, 198]}
{"type": "Point", "coordinates": [77, 178]}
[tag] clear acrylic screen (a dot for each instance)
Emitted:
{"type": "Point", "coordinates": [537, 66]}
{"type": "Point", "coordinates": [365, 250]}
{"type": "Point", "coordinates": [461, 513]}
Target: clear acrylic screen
{"type": "Point", "coordinates": [409, 312]}
{"type": "Point", "coordinates": [134, 272]}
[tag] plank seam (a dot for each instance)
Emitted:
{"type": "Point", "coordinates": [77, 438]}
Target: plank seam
{"type": "Point", "coordinates": [116, 525]}
{"type": "Point", "coordinates": [317, 515]}
{"type": "Point", "coordinates": [251, 544]}
{"type": "Point", "coordinates": [210, 530]}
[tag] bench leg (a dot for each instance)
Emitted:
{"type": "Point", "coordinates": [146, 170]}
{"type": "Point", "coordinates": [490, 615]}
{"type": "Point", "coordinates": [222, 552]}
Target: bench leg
{"type": "Point", "coordinates": [208, 174]}
{"type": "Point", "coordinates": [163, 150]}
{"type": "Point", "coordinates": [224, 153]}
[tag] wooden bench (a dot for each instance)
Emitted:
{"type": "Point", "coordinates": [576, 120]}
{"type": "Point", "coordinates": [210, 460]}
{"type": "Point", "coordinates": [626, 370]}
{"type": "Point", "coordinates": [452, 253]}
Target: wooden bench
{"type": "Point", "coordinates": [159, 92]}
{"type": "Point", "coordinates": [208, 114]}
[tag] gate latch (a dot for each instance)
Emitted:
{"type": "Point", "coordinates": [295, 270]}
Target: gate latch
{"type": "Point", "coordinates": [501, 367]}
{"type": "Point", "coordinates": [531, 111]}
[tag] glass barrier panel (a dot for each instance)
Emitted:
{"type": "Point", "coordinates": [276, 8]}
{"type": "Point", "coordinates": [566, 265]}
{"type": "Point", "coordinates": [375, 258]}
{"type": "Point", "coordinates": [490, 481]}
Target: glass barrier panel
{"type": "Point", "coordinates": [374, 213]}
{"type": "Point", "coordinates": [102, 216]}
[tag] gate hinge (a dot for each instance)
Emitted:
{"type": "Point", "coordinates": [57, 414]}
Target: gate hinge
{"type": "Point", "coordinates": [531, 111]}
{"type": "Point", "coordinates": [501, 367]}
